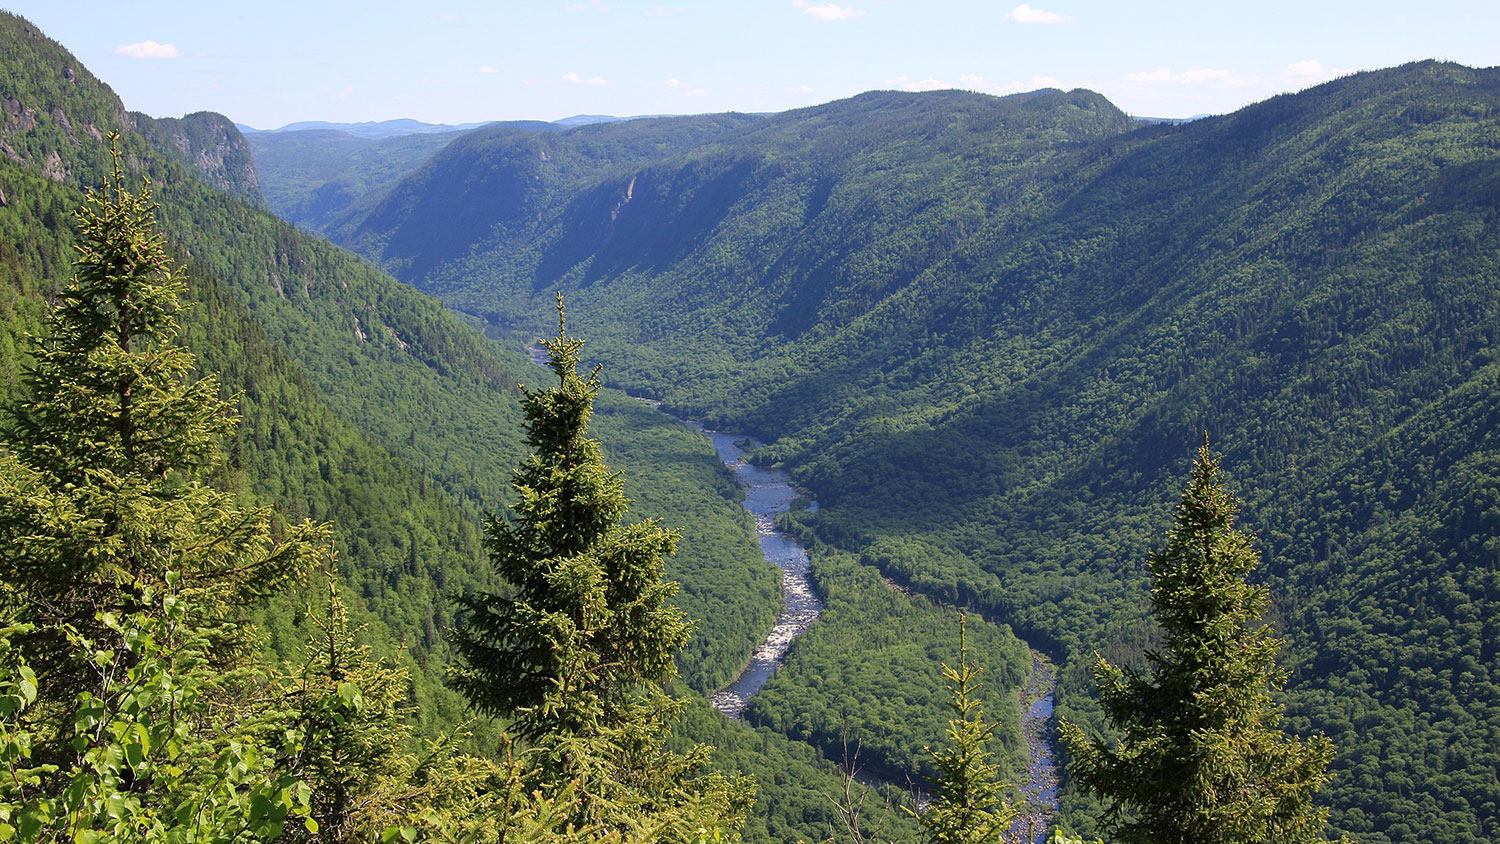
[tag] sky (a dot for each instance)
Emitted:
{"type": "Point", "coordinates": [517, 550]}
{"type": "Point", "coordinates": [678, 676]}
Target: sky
{"type": "Point", "coordinates": [267, 63]}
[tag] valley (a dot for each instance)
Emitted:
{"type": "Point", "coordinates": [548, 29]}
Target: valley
{"type": "Point", "coordinates": [969, 344]}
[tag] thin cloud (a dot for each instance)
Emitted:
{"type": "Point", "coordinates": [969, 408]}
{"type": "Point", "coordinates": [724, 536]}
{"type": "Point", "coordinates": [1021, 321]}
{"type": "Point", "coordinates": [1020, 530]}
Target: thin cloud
{"type": "Point", "coordinates": [906, 83]}
{"type": "Point", "coordinates": [1310, 72]}
{"type": "Point", "coordinates": [664, 12]}
{"type": "Point", "coordinates": [828, 12]}
{"type": "Point", "coordinates": [697, 92]}
{"type": "Point", "coordinates": [976, 82]}
{"type": "Point", "coordinates": [1025, 14]}
{"type": "Point", "coordinates": [484, 68]}
{"type": "Point", "coordinates": [148, 50]}
{"type": "Point", "coordinates": [801, 89]}
{"type": "Point", "coordinates": [577, 79]}
{"type": "Point", "coordinates": [674, 82]}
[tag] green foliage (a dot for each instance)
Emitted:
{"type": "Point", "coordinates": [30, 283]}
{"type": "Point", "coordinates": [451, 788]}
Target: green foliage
{"type": "Point", "coordinates": [865, 677]}
{"type": "Point", "coordinates": [102, 489]}
{"type": "Point", "coordinates": [588, 621]}
{"type": "Point", "coordinates": [1202, 756]}
{"type": "Point", "coordinates": [345, 706]}
{"type": "Point", "coordinates": [798, 792]}
{"type": "Point", "coordinates": [966, 808]}
{"type": "Point", "coordinates": [155, 756]}
{"type": "Point", "coordinates": [578, 652]}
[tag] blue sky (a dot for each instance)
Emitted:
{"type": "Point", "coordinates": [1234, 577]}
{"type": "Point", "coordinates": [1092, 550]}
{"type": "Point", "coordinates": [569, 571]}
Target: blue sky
{"type": "Point", "coordinates": [268, 62]}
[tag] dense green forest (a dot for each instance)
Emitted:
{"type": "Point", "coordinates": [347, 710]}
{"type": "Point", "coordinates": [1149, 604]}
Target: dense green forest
{"type": "Point", "coordinates": [984, 332]}
{"type": "Point", "coordinates": [367, 404]}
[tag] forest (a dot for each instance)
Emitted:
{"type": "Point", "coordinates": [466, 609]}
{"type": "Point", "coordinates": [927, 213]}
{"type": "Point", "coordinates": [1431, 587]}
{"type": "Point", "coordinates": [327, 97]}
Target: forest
{"type": "Point", "coordinates": [1000, 330]}
{"type": "Point", "coordinates": [1002, 322]}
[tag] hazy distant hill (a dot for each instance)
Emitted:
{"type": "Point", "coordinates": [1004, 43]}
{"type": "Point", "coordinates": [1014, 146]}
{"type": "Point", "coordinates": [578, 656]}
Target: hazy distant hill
{"type": "Point", "coordinates": [988, 332]}
{"type": "Point", "coordinates": [315, 172]}
{"type": "Point", "coordinates": [371, 129]}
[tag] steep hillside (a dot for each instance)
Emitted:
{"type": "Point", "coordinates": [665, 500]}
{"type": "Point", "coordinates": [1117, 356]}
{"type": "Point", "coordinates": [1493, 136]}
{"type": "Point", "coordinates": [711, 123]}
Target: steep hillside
{"type": "Point", "coordinates": [210, 144]}
{"type": "Point", "coordinates": [495, 183]}
{"type": "Point", "coordinates": [987, 333]}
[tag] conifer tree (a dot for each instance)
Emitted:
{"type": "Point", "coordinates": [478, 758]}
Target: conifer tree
{"type": "Point", "coordinates": [966, 808]}
{"type": "Point", "coordinates": [344, 707]}
{"type": "Point", "coordinates": [1202, 758]}
{"type": "Point", "coordinates": [577, 653]}
{"type": "Point", "coordinates": [103, 489]}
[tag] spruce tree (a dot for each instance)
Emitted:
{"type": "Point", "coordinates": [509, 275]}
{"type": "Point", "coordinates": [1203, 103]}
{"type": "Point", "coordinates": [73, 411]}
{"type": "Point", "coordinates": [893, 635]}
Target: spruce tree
{"type": "Point", "coordinates": [345, 709]}
{"type": "Point", "coordinates": [1202, 758]}
{"type": "Point", "coordinates": [104, 494]}
{"type": "Point", "coordinates": [578, 651]}
{"type": "Point", "coordinates": [966, 808]}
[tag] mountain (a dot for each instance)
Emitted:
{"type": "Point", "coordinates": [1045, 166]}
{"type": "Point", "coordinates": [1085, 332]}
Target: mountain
{"type": "Point", "coordinates": [208, 143]}
{"type": "Point", "coordinates": [987, 334]}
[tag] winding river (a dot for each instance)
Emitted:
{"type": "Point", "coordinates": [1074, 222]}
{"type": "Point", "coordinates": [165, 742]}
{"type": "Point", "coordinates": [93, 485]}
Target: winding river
{"type": "Point", "coordinates": [768, 493]}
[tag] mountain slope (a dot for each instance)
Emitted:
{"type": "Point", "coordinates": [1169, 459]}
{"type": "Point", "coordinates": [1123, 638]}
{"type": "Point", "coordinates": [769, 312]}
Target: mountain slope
{"type": "Point", "coordinates": [987, 334]}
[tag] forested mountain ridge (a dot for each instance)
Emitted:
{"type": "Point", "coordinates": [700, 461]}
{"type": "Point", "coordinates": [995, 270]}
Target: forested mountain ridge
{"type": "Point", "coordinates": [496, 182]}
{"type": "Point", "coordinates": [988, 347]}
{"type": "Point", "coordinates": [210, 144]}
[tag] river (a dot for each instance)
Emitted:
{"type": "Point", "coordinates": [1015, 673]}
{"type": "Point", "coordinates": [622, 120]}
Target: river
{"type": "Point", "coordinates": [768, 493]}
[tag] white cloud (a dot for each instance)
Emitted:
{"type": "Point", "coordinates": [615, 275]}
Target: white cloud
{"type": "Point", "coordinates": [906, 83]}
{"type": "Point", "coordinates": [1025, 14]}
{"type": "Point", "coordinates": [1308, 67]}
{"type": "Point", "coordinates": [674, 82]}
{"type": "Point", "coordinates": [801, 89]}
{"type": "Point", "coordinates": [664, 12]}
{"type": "Point", "coordinates": [484, 68]}
{"type": "Point", "coordinates": [697, 92]}
{"type": "Point", "coordinates": [828, 12]}
{"type": "Point", "coordinates": [148, 50]}
{"type": "Point", "coordinates": [576, 79]}
{"type": "Point", "coordinates": [572, 78]}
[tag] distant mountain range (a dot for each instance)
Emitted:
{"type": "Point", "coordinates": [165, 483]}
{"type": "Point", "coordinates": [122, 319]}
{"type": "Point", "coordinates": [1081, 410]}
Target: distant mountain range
{"type": "Point", "coordinates": [377, 130]}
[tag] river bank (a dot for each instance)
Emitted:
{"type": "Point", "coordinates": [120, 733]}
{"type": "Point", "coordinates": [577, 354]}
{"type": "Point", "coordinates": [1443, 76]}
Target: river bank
{"type": "Point", "coordinates": [768, 492]}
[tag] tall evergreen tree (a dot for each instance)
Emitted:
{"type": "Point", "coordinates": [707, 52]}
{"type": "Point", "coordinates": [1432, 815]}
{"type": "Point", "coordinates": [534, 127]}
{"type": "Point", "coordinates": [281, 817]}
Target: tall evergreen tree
{"type": "Point", "coordinates": [1202, 758]}
{"type": "Point", "coordinates": [966, 808]}
{"type": "Point", "coordinates": [103, 481]}
{"type": "Point", "coordinates": [578, 652]}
